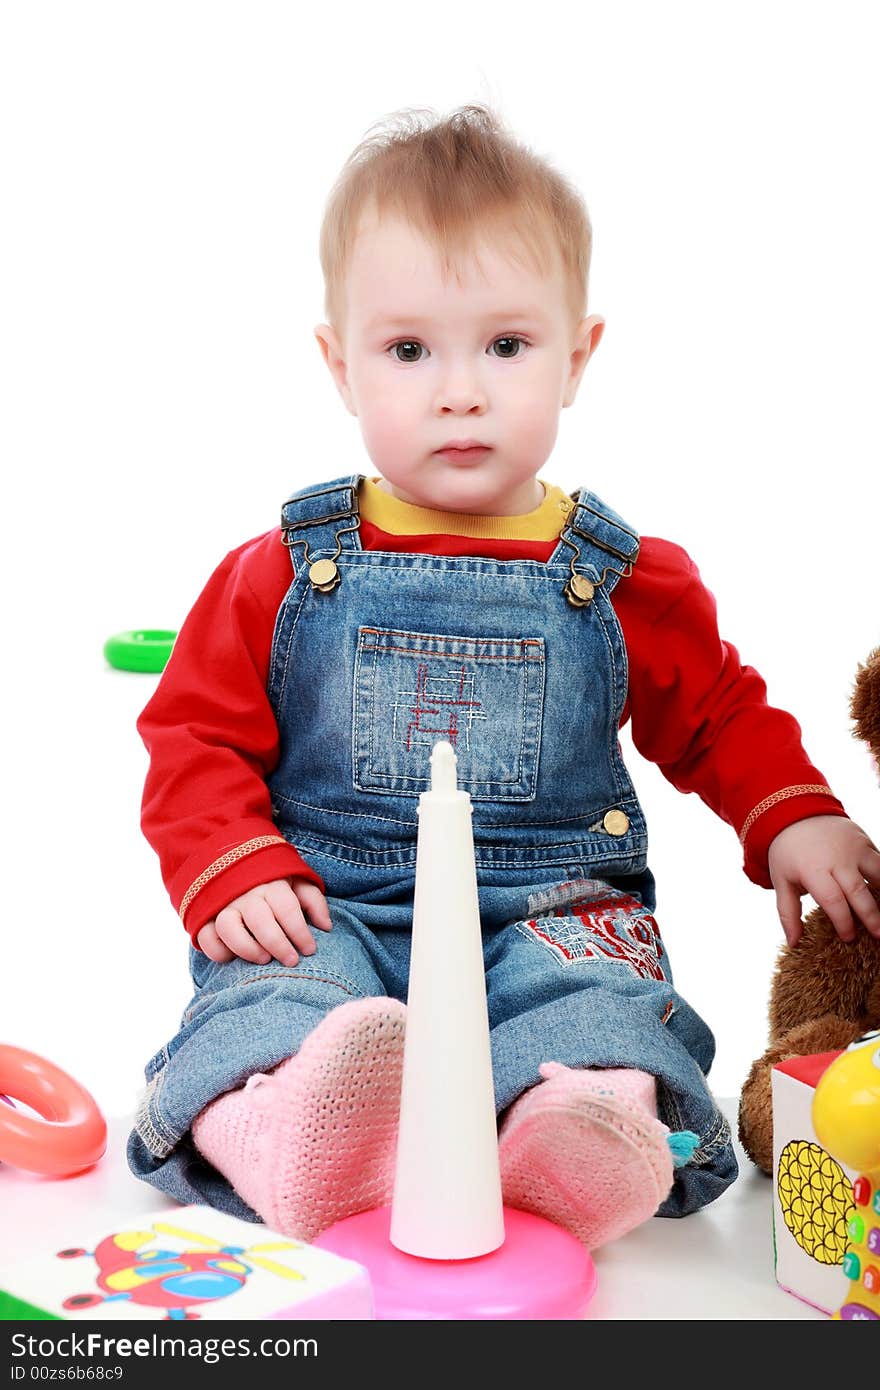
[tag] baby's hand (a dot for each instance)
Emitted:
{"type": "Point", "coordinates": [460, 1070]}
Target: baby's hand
{"type": "Point", "coordinates": [267, 922]}
{"type": "Point", "coordinates": [830, 858]}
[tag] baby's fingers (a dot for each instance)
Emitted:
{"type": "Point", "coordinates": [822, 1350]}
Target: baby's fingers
{"type": "Point", "coordinates": [313, 903]}
{"type": "Point", "coordinates": [233, 932]}
{"type": "Point", "coordinates": [271, 925]}
{"type": "Point", "coordinates": [209, 942]}
{"type": "Point", "coordinates": [291, 924]}
{"type": "Point", "coordinates": [788, 905]}
{"type": "Point", "coordinates": [869, 865]}
{"type": "Point", "coordinates": [832, 899]}
{"type": "Point", "coordinates": [861, 900]}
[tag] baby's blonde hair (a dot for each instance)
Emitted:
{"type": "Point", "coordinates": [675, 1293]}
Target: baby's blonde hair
{"type": "Point", "coordinates": [455, 179]}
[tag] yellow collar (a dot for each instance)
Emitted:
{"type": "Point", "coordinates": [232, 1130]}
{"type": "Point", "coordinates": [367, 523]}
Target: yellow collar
{"type": "Point", "coordinates": [405, 519]}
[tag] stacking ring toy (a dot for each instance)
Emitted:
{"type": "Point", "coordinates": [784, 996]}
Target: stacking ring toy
{"type": "Point", "coordinates": [144, 650]}
{"type": "Point", "coordinates": [71, 1136]}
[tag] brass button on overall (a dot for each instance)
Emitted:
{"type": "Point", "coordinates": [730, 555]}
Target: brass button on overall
{"type": "Point", "coordinates": [616, 822]}
{"type": "Point", "coordinates": [579, 590]}
{"type": "Point", "coordinates": [324, 575]}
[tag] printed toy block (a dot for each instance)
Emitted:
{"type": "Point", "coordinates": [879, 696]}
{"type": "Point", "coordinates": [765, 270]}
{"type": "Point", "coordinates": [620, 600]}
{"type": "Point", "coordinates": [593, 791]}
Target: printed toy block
{"type": "Point", "coordinates": [184, 1263]}
{"type": "Point", "coordinates": [812, 1192]}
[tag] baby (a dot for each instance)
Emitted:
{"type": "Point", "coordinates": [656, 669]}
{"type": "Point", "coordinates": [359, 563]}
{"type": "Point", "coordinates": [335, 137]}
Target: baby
{"type": "Point", "coordinates": [453, 594]}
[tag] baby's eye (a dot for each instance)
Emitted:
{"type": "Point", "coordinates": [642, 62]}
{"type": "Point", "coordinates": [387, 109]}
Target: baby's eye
{"type": "Point", "coordinates": [511, 338]}
{"type": "Point", "coordinates": [407, 343]}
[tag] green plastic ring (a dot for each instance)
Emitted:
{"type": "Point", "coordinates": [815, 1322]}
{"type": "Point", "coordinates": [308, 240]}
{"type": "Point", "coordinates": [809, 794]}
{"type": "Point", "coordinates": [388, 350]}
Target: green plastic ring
{"type": "Point", "coordinates": [145, 650]}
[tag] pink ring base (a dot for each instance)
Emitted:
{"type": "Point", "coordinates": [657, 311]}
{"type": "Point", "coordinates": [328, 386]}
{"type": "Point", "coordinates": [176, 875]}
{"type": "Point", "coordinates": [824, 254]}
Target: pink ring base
{"type": "Point", "coordinates": [540, 1272]}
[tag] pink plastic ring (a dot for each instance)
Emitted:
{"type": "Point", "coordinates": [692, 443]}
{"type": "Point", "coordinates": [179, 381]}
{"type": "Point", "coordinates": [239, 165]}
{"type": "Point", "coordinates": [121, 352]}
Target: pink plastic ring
{"type": "Point", "coordinates": [71, 1136]}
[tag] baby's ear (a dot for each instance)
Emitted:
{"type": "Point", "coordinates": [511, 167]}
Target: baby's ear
{"type": "Point", "coordinates": [865, 704]}
{"type": "Point", "coordinates": [329, 342]}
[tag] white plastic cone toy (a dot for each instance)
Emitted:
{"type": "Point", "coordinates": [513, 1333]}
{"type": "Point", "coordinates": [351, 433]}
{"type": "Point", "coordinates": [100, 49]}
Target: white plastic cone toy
{"type": "Point", "coordinates": [446, 1248]}
{"type": "Point", "coordinates": [447, 1192]}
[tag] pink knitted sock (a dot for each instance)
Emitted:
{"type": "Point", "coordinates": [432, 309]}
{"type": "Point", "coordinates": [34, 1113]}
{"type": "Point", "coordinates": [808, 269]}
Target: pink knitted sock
{"type": "Point", "coordinates": [315, 1139]}
{"type": "Point", "coordinates": [584, 1148]}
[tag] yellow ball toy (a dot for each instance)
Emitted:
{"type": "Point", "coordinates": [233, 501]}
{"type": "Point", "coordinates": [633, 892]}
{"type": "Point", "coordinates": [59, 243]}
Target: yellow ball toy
{"type": "Point", "coordinates": [846, 1118]}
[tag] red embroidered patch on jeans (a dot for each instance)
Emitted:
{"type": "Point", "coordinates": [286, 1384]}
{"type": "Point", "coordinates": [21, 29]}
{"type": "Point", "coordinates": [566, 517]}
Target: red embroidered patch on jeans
{"type": "Point", "coordinates": [612, 929]}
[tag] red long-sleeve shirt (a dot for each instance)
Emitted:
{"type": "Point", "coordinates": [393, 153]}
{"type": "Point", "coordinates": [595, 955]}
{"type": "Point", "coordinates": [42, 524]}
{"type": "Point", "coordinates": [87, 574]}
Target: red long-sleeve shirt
{"type": "Point", "coordinates": [210, 731]}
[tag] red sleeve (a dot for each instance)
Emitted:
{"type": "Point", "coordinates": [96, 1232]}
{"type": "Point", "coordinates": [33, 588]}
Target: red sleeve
{"type": "Point", "coordinates": [703, 717]}
{"type": "Point", "coordinates": [212, 739]}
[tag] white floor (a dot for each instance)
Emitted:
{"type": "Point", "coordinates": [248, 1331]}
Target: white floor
{"type": "Point", "coordinates": [716, 1265]}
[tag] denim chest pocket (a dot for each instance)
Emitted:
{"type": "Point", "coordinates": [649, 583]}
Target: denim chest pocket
{"type": "Point", "coordinates": [484, 694]}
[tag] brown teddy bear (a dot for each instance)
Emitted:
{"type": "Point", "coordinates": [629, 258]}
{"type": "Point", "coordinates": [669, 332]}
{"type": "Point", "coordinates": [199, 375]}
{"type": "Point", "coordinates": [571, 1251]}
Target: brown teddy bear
{"type": "Point", "coordinates": [825, 992]}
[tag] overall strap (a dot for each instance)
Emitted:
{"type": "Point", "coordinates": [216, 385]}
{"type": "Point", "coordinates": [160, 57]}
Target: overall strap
{"type": "Point", "coordinates": [319, 522]}
{"type": "Point", "coordinates": [600, 547]}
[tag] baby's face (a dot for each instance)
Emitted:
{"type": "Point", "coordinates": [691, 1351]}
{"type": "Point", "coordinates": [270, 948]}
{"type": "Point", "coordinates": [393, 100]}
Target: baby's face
{"type": "Point", "coordinates": [428, 361]}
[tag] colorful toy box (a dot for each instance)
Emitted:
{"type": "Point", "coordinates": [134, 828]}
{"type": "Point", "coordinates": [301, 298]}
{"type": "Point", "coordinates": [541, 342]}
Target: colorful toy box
{"type": "Point", "coordinates": [184, 1263]}
{"type": "Point", "coordinates": [813, 1201]}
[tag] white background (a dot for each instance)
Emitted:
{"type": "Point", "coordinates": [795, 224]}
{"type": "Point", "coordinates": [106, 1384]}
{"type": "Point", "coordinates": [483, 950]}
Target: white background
{"type": "Point", "coordinates": [163, 170]}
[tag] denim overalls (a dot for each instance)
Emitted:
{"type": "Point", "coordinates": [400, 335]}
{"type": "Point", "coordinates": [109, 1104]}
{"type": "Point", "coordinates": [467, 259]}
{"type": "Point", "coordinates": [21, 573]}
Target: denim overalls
{"type": "Point", "coordinates": [521, 665]}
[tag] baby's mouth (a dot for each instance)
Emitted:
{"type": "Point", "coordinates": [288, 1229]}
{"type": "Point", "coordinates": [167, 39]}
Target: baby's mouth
{"type": "Point", "coordinates": [470, 455]}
